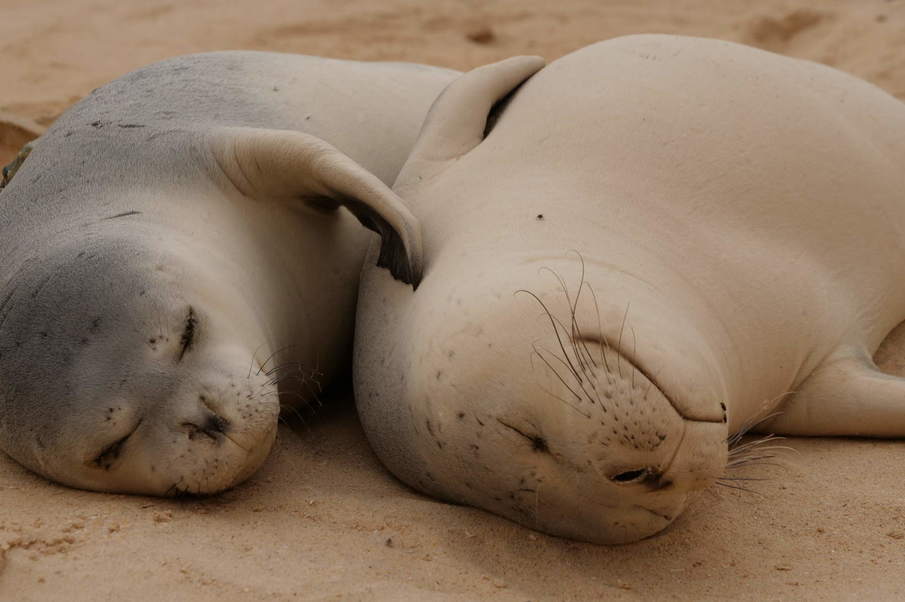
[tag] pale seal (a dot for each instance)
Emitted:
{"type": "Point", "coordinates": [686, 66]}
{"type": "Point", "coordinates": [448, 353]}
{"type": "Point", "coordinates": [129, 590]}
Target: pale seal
{"type": "Point", "coordinates": [173, 251]}
{"type": "Point", "coordinates": [659, 240]}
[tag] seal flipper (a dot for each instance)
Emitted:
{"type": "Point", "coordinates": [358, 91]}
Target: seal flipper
{"type": "Point", "coordinates": [288, 165]}
{"type": "Point", "coordinates": [847, 395]}
{"type": "Point", "coordinates": [457, 120]}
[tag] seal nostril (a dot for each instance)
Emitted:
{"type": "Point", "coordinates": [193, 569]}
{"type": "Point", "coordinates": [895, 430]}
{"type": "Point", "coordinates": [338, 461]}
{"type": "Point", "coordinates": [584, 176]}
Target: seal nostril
{"type": "Point", "coordinates": [216, 424]}
{"type": "Point", "coordinates": [630, 476]}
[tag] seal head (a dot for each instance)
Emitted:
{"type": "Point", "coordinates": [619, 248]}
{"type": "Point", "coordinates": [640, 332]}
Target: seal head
{"type": "Point", "coordinates": [153, 389]}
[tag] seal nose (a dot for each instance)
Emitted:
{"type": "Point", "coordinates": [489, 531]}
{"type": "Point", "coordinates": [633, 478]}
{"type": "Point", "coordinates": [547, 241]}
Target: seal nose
{"type": "Point", "coordinates": [212, 426]}
{"type": "Point", "coordinates": [209, 423]}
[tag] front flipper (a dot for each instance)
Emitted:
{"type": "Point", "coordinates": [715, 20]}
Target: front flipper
{"type": "Point", "coordinates": [288, 165]}
{"type": "Point", "coordinates": [458, 119]}
{"type": "Point", "coordinates": [847, 395]}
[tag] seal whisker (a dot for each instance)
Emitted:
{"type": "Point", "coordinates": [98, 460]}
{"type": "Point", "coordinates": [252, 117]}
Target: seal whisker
{"type": "Point", "coordinates": [738, 436]}
{"type": "Point", "coordinates": [276, 368]}
{"type": "Point", "coordinates": [549, 365]}
{"type": "Point", "coordinates": [619, 339]}
{"type": "Point", "coordinates": [757, 443]}
{"type": "Point", "coordinates": [254, 358]}
{"type": "Point", "coordinates": [555, 329]}
{"type": "Point", "coordinates": [274, 354]}
{"type": "Point", "coordinates": [589, 374]}
{"type": "Point", "coordinates": [739, 488]}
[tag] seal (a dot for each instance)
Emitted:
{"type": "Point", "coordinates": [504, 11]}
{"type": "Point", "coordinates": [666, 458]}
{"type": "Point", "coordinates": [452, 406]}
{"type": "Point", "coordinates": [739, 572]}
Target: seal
{"type": "Point", "coordinates": [180, 256]}
{"type": "Point", "coordinates": [630, 255]}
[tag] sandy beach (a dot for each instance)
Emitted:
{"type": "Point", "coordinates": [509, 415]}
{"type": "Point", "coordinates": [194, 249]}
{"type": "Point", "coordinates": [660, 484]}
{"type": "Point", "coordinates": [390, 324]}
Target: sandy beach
{"type": "Point", "coordinates": [322, 520]}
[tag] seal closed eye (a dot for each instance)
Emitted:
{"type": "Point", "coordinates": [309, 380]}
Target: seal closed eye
{"type": "Point", "coordinates": [111, 453]}
{"type": "Point", "coordinates": [188, 335]}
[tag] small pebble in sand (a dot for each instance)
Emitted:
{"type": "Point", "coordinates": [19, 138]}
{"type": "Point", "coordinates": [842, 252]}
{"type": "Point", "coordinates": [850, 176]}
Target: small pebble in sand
{"type": "Point", "coordinates": [481, 35]}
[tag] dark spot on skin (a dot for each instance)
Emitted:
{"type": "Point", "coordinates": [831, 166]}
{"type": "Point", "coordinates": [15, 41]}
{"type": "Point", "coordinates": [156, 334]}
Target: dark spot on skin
{"type": "Point", "coordinates": [439, 374]}
{"type": "Point", "coordinates": [540, 216]}
{"type": "Point", "coordinates": [460, 415]}
{"type": "Point", "coordinates": [188, 333]}
{"type": "Point", "coordinates": [95, 325]}
{"type": "Point", "coordinates": [97, 124]}
{"type": "Point", "coordinates": [539, 444]}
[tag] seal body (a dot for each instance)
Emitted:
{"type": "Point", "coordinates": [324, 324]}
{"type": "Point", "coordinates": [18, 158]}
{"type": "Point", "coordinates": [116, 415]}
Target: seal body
{"type": "Point", "coordinates": [651, 243]}
{"type": "Point", "coordinates": [176, 261]}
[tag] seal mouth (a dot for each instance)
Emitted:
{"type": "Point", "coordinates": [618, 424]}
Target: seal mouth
{"type": "Point", "coordinates": [606, 343]}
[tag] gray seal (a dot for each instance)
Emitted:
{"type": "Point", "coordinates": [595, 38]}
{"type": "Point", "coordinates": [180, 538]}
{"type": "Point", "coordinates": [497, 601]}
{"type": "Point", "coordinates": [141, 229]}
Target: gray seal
{"type": "Point", "coordinates": [181, 251]}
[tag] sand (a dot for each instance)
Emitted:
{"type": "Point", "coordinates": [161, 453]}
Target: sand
{"type": "Point", "coordinates": [323, 520]}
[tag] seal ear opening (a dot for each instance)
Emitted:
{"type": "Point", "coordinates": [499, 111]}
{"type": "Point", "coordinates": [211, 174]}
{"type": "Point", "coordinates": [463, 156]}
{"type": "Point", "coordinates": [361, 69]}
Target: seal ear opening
{"type": "Point", "coordinates": [461, 116]}
{"type": "Point", "coordinates": [291, 166]}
